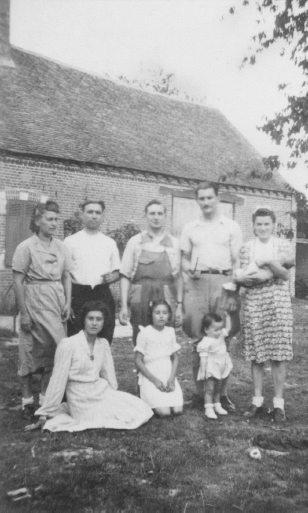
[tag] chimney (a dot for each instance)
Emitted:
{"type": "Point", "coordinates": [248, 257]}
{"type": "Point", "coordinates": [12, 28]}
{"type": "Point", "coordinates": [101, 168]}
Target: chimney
{"type": "Point", "coordinates": [5, 48]}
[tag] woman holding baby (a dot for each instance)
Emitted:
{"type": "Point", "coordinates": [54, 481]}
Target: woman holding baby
{"type": "Point", "coordinates": [267, 326]}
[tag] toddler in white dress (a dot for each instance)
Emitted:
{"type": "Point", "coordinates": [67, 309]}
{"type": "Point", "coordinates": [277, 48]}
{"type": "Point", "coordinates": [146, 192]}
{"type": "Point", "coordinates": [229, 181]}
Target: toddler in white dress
{"type": "Point", "coordinates": [157, 361]}
{"type": "Point", "coordinates": [215, 362]}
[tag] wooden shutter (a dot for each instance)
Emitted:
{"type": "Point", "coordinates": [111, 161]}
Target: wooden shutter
{"type": "Point", "coordinates": [18, 216]}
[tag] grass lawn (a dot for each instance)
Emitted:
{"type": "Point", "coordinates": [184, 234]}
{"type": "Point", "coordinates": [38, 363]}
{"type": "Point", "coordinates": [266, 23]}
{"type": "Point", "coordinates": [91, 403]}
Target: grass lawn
{"type": "Point", "coordinates": [185, 464]}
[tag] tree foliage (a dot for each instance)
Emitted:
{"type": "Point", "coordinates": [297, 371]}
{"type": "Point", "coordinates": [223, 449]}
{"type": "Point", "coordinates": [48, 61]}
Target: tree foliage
{"type": "Point", "coordinates": [290, 30]}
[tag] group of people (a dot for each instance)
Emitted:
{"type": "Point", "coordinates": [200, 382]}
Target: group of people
{"type": "Point", "coordinates": [67, 313]}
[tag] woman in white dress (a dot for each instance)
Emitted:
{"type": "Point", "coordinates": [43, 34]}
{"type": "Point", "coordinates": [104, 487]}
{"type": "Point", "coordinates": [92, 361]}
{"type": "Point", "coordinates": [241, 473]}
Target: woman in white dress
{"type": "Point", "coordinates": [84, 370]}
{"type": "Point", "coordinates": [157, 362]}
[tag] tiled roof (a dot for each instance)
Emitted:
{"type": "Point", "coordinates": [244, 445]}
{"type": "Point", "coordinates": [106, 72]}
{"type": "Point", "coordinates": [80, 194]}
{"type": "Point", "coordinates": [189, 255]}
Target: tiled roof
{"type": "Point", "coordinates": [57, 111]}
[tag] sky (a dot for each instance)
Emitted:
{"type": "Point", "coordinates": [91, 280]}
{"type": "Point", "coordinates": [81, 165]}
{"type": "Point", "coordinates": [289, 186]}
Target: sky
{"type": "Point", "coordinates": [196, 40]}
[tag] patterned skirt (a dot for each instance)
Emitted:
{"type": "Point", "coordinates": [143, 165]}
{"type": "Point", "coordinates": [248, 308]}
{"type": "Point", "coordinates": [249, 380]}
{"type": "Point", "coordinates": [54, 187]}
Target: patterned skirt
{"type": "Point", "coordinates": [268, 322]}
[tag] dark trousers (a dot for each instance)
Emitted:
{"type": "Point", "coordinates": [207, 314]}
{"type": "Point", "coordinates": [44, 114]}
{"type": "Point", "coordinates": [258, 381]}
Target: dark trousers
{"type": "Point", "coordinates": [83, 293]}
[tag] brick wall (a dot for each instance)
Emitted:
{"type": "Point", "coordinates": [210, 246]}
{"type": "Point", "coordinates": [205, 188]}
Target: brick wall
{"type": "Point", "coordinates": [125, 194]}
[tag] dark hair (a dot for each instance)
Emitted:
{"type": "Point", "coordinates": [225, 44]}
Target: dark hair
{"type": "Point", "coordinates": [207, 185]}
{"type": "Point", "coordinates": [156, 303]}
{"type": "Point", "coordinates": [92, 306]}
{"type": "Point", "coordinates": [264, 212]}
{"type": "Point", "coordinates": [154, 202]}
{"type": "Point", "coordinates": [208, 319]}
{"type": "Point", "coordinates": [38, 212]}
{"type": "Point", "coordinates": [96, 202]}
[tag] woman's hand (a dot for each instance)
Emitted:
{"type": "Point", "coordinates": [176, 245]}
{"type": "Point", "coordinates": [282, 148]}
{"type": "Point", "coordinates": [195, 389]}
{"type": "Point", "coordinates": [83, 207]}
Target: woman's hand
{"type": "Point", "coordinates": [159, 385]}
{"type": "Point", "coordinates": [25, 322]}
{"type": "Point", "coordinates": [170, 387]}
{"type": "Point", "coordinates": [123, 314]}
{"type": "Point", "coordinates": [39, 424]}
{"type": "Point", "coordinates": [66, 312]}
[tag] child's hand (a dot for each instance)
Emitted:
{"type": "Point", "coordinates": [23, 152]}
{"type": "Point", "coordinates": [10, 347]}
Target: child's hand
{"type": "Point", "coordinates": [170, 386]}
{"type": "Point", "coordinates": [159, 384]}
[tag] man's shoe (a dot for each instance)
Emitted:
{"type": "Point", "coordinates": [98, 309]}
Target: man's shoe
{"type": "Point", "coordinates": [252, 411]}
{"type": "Point", "coordinates": [28, 411]}
{"type": "Point", "coordinates": [227, 404]}
{"type": "Point", "coordinates": [279, 415]}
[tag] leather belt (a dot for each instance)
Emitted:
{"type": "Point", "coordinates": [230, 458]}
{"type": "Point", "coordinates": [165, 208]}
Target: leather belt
{"type": "Point", "coordinates": [227, 272]}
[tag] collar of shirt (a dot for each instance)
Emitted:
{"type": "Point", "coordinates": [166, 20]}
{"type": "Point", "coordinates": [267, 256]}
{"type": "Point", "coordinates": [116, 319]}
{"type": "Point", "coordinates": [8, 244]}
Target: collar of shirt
{"type": "Point", "coordinates": [50, 248]}
{"type": "Point", "coordinates": [163, 240]}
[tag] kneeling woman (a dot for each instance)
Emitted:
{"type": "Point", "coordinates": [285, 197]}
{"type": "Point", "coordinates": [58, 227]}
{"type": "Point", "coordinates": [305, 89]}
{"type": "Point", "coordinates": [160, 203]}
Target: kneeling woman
{"type": "Point", "coordinates": [84, 370]}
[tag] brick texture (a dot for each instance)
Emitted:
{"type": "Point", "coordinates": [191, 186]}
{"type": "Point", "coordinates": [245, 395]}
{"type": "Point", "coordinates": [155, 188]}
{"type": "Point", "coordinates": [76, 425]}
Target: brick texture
{"type": "Point", "coordinates": [125, 195]}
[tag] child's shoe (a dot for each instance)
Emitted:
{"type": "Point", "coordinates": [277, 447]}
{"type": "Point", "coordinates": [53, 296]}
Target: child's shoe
{"type": "Point", "coordinates": [209, 411]}
{"type": "Point", "coordinates": [219, 409]}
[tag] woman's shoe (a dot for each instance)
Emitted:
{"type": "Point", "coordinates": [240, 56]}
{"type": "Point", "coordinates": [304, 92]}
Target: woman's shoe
{"type": "Point", "coordinates": [252, 411]}
{"type": "Point", "coordinates": [219, 409]}
{"type": "Point", "coordinates": [279, 415]}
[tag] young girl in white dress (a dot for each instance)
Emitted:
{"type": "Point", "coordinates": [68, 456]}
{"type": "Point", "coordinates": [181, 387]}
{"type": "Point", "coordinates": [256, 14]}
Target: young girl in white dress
{"type": "Point", "coordinates": [215, 362]}
{"type": "Point", "coordinates": [157, 362]}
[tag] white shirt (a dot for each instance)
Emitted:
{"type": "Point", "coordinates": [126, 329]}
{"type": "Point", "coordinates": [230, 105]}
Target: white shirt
{"type": "Point", "coordinates": [93, 256]}
{"type": "Point", "coordinates": [212, 244]}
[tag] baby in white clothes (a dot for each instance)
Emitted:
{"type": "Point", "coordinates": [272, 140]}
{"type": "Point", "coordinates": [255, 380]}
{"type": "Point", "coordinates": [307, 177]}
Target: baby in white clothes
{"type": "Point", "coordinates": [215, 362]}
{"type": "Point", "coordinates": [260, 266]}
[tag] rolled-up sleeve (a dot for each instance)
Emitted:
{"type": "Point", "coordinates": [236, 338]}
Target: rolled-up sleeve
{"type": "Point", "coordinates": [127, 265]}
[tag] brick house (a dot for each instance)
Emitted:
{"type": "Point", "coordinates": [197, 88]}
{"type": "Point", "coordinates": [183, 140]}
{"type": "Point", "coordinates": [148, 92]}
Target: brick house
{"type": "Point", "coordinates": [68, 135]}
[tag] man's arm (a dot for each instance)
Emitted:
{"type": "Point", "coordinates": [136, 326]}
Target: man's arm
{"type": "Point", "coordinates": [124, 289]}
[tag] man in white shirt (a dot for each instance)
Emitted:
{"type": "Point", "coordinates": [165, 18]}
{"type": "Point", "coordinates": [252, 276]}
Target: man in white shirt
{"type": "Point", "coordinates": [96, 265]}
{"type": "Point", "coordinates": [210, 248]}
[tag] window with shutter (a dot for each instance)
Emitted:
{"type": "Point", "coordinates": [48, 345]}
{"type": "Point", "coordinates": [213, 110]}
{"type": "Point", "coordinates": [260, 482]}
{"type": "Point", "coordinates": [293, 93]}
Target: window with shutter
{"type": "Point", "coordinates": [18, 216]}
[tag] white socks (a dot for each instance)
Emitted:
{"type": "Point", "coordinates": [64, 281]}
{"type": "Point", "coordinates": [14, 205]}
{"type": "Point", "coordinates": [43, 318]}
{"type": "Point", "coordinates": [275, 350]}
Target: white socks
{"type": "Point", "coordinates": [257, 401]}
{"type": "Point", "coordinates": [26, 400]}
{"type": "Point", "coordinates": [212, 409]}
{"type": "Point", "coordinates": [41, 399]}
{"type": "Point", "coordinates": [278, 403]}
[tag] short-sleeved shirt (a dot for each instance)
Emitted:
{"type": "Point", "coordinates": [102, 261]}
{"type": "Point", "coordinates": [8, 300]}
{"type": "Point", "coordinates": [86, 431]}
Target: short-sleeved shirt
{"type": "Point", "coordinates": [144, 241]}
{"type": "Point", "coordinates": [41, 262]}
{"type": "Point", "coordinates": [93, 256]}
{"type": "Point", "coordinates": [154, 344]}
{"type": "Point", "coordinates": [212, 244]}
